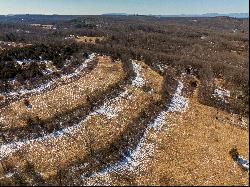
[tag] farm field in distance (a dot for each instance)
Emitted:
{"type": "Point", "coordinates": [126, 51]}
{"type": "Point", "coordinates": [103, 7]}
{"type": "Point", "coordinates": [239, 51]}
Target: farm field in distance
{"type": "Point", "coordinates": [124, 100]}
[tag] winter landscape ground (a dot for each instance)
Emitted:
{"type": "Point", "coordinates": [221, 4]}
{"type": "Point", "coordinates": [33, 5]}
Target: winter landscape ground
{"type": "Point", "coordinates": [124, 100]}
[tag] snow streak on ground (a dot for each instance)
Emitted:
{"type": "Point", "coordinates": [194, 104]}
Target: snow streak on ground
{"type": "Point", "coordinates": [80, 68]}
{"type": "Point", "coordinates": [108, 109]}
{"type": "Point", "coordinates": [47, 71]}
{"type": "Point", "coordinates": [178, 102]}
{"type": "Point", "coordinates": [221, 93]}
{"type": "Point", "coordinates": [135, 160]}
{"type": "Point", "coordinates": [47, 85]}
{"type": "Point", "coordinates": [160, 68]}
{"type": "Point", "coordinates": [7, 149]}
{"type": "Point", "coordinates": [244, 163]}
{"type": "Point", "coordinates": [138, 80]}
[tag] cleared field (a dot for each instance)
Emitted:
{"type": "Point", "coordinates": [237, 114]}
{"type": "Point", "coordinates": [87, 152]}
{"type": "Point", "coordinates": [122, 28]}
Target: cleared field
{"type": "Point", "coordinates": [196, 150]}
{"type": "Point", "coordinates": [88, 39]}
{"type": "Point", "coordinates": [190, 148]}
{"type": "Point", "coordinates": [63, 98]}
{"type": "Point", "coordinates": [7, 45]}
{"type": "Point", "coordinates": [48, 155]}
{"type": "Point", "coordinates": [42, 26]}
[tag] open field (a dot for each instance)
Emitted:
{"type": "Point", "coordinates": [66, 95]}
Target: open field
{"type": "Point", "coordinates": [62, 98]}
{"type": "Point", "coordinates": [88, 39]}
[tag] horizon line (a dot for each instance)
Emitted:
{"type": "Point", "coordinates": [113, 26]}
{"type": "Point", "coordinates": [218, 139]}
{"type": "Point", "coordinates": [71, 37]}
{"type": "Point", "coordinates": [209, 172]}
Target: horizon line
{"type": "Point", "coordinates": [123, 13]}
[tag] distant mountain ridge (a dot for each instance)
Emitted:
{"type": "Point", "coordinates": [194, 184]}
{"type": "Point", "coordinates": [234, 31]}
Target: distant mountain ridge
{"type": "Point", "coordinates": [115, 14]}
{"type": "Point", "coordinates": [55, 17]}
{"type": "Point", "coordinates": [235, 15]}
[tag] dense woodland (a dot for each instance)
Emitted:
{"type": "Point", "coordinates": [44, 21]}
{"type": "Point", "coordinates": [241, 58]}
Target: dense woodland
{"type": "Point", "coordinates": [206, 47]}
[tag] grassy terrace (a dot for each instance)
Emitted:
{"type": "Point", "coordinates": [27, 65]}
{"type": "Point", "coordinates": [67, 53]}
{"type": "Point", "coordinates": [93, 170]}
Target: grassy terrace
{"type": "Point", "coordinates": [96, 132]}
{"type": "Point", "coordinates": [63, 98]}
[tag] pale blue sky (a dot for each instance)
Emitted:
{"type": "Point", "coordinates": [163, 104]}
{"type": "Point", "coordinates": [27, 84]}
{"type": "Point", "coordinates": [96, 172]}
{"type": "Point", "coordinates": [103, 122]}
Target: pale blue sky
{"type": "Point", "coordinates": [92, 7]}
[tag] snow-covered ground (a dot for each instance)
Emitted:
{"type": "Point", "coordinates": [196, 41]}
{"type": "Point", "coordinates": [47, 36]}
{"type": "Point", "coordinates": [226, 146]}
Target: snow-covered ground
{"type": "Point", "coordinates": [203, 37]}
{"type": "Point", "coordinates": [28, 61]}
{"type": "Point", "coordinates": [80, 68]}
{"type": "Point", "coordinates": [178, 102]}
{"type": "Point", "coordinates": [160, 68]}
{"type": "Point", "coordinates": [71, 36]}
{"type": "Point", "coordinates": [110, 108]}
{"type": "Point", "coordinates": [221, 93]}
{"type": "Point", "coordinates": [47, 71]}
{"type": "Point", "coordinates": [48, 84]}
{"type": "Point", "coordinates": [138, 81]}
{"type": "Point", "coordinates": [244, 163]}
{"type": "Point", "coordinates": [7, 149]}
{"type": "Point", "coordinates": [135, 160]}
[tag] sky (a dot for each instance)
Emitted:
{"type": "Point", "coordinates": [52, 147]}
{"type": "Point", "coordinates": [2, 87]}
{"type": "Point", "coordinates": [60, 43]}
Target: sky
{"type": "Point", "coordinates": [145, 7]}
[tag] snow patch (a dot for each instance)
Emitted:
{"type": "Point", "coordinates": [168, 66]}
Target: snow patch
{"type": "Point", "coordinates": [160, 68]}
{"type": "Point", "coordinates": [221, 93]}
{"type": "Point", "coordinates": [108, 111]}
{"type": "Point", "coordinates": [138, 80]}
{"type": "Point", "coordinates": [134, 160]}
{"type": "Point", "coordinates": [203, 37]}
{"type": "Point", "coordinates": [47, 71]}
{"type": "Point", "coordinates": [178, 102]}
{"type": "Point", "coordinates": [7, 149]}
{"type": "Point", "coordinates": [47, 85]}
{"type": "Point", "coordinates": [111, 110]}
{"type": "Point", "coordinates": [244, 163]}
{"type": "Point", "coordinates": [159, 121]}
{"type": "Point", "coordinates": [9, 174]}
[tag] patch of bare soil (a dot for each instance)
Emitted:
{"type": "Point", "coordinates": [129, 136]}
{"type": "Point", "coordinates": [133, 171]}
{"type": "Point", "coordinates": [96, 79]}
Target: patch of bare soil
{"type": "Point", "coordinates": [88, 39]}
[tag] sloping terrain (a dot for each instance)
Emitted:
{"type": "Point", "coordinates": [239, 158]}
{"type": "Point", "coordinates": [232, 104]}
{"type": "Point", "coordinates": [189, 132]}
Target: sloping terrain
{"type": "Point", "coordinates": [190, 146]}
{"type": "Point", "coordinates": [62, 98]}
{"type": "Point", "coordinates": [104, 123]}
{"type": "Point", "coordinates": [133, 137]}
{"type": "Point", "coordinates": [135, 101]}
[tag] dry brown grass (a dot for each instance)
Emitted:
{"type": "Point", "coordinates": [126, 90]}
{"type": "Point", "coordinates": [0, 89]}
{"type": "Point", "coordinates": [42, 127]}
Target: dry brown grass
{"type": "Point", "coordinates": [88, 39]}
{"type": "Point", "coordinates": [193, 149]}
{"type": "Point", "coordinates": [63, 98]}
{"type": "Point", "coordinates": [153, 79]}
{"type": "Point", "coordinates": [56, 153]}
{"type": "Point", "coordinates": [196, 150]}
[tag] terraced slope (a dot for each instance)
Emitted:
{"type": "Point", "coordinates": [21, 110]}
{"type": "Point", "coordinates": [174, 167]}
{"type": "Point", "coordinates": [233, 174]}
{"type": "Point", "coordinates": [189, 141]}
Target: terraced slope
{"type": "Point", "coordinates": [185, 145]}
{"type": "Point", "coordinates": [50, 152]}
{"type": "Point", "coordinates": [63, 98]}
{"type": "Point", "coordinates": [116, 127]}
